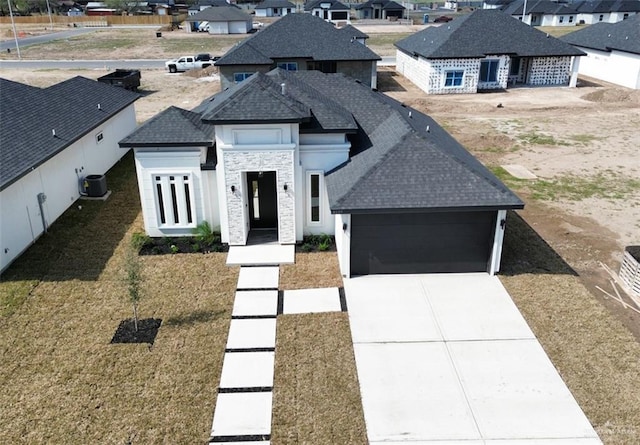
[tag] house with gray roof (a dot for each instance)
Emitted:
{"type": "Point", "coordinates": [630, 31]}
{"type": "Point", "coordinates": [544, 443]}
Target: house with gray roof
{"type": "Point", "coordinates": [542, 12]}
{"type": "Point", "coordinates": [274, 8]}
{"type": "Point", "coordinates": [485, 50]}
{"type": "Point", "coordinates": [299, 42]}
{"type": "Point", "coordinates": [51, 140]}
{"type": "Point", "coordinates": [332, 11]}
{"type": "Point", "coordinates": [380, 10]}
{"type": "Point", "coordinates": [608, 11]}
{"type": "Point", "coordinates": [221, 20]}
{"type": "Point", "coordinates": [612, 51]}
{"type": "Point", "coordinates": [303, 152]}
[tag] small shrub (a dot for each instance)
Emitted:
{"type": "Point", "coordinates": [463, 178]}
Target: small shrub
{"type": "Point", "coordinates": [174, 249]}
{"type": "Point", "coordinates": [307, 247]}
{"type": "Point", "coordinates": [205, 234]}
{"type": "Point", "coordinates": [195, 247]}
{"type": "Point", "coordinates": [139, 240]}
{"type": "Point", "coordinates": [156, 250]}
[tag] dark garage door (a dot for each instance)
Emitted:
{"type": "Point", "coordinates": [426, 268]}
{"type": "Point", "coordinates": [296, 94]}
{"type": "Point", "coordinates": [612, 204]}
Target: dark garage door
{"type": "Point", "coordinates": [421, 242]}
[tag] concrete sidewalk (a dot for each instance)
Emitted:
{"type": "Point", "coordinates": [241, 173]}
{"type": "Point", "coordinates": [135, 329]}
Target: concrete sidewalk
{"type": "Point", "coordinates": [449, 359]}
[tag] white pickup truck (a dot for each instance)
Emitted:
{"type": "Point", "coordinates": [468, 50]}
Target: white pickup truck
{"type": "Point", "coordinates": [186, 63]}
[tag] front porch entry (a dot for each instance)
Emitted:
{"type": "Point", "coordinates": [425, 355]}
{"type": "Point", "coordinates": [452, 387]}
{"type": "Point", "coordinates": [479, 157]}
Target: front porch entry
{"type": "Point", "coordinates": [263, 201]}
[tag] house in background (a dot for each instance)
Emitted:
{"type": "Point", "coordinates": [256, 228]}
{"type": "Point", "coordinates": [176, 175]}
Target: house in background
{"type": "Point", "coordinates": [543, 12]}
{"type": "Point", "coordinates": [608, 11]}
{"type": "Point", "coordinates": [50, 139]}
{"type": "Point", "coordinates": [380, 10]}
{"type": "Point", "coordinates": [304, 152]}
{"type": "Point", "coordinates": [274, 8]}
{"type": "Point", "coordinates": [613, 51]}
{"type": "Point", "coordinates": [299, 42]}
{"type": "Point", "coordinates": [221, 20]}
{"type": "Point", "coordinates": [330, 10]}
{"type": "Point", "coordinates": [485, 50]}
{"type": "Point", "coordinates": [355, 34]}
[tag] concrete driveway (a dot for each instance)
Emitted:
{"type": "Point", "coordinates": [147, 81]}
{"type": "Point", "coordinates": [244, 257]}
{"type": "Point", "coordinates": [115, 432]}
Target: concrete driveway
{"type": "Point", "coordinates": [449, 359]}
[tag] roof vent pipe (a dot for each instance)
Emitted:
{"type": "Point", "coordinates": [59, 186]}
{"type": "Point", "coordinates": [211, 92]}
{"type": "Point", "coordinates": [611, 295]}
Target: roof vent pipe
{"type": "Point", "coordinates": [283, 87]}
{"type": "Point", "coordinates": [99, 107]}
{"type": "Point", "coordinates": [53, 132]}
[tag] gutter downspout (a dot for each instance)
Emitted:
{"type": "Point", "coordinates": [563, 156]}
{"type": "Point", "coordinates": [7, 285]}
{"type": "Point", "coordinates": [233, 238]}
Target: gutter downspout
{"type": "Point", "coordinates": [41, 200]}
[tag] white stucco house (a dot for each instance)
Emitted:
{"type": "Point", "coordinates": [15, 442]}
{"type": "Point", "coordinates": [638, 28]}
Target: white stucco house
{"type": "Point", "coordinates": [274, 8]}
{"type": "Point", "coordinates": [553, 13]}
{"type": "Point", "coordinates": [542, 12]}
{"type": "Point", "coordinates": [613, 51]}
{"type": "Point", "coordinates": [332, 11]}
{"type": "Point", "coordinates": [50, 139]}
{"type": "Point", "coordinates": [221, 20]}
{"type": "Point", "coordinates": [485, 50]}
{"type": "Point", "coordinates": [306, 152]}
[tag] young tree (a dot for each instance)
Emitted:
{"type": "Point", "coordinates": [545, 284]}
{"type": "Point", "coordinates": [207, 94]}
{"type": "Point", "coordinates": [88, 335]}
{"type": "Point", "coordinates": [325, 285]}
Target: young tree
{"type": "Point", "coordinates": [133, 279]}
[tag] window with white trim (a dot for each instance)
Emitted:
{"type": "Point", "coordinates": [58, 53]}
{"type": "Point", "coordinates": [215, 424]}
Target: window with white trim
{"type": "Point", "coordinates": [453, 78]}
{"type": "Point", "coordinates": [174, 200]}
{"type": "Point", "coordinates": [561, 19]}
{"type": "Point", "coordinates": [239, 77]}
{"type": "Point", "coordinates": [489, 70]}
{"type": "Point", "coordinates": [99, 137]}
{"type": "Point", "coordinates": [570, 19]}
{"type": "Point", "coordinates": [288, 66]}
{"type": "Point", "coordinates": [314, 197]}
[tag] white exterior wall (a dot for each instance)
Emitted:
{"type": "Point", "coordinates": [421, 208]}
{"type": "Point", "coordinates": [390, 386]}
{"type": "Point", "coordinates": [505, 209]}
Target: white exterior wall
{"type": "Point", "coordinates": [414, 69]}
{"type": "Point", "coordinates": [343, 243]}
{"type": "Point", "coordinates": [616, 17]}
{"type": "Point", "coordinates": [498, 238]}
{"type": "Point", "coordinates": [248, 148]}
{"type": "Point", "coordinates": [263, 12]}
{"type": "Point", "coordinates": [615, 67]}
{"type": "Point", "coordinates": [438, 69]}
{"type": "Point", "coordinates": [240, 27]}
{"type": "Point", "coordinates": [174, 161]}
{"type": "Point", "coordinates": [550, 71]}
{"type": "Point", "coordinates": [58, 178]}
{"type": "Point", "coordinates": [318, 153]}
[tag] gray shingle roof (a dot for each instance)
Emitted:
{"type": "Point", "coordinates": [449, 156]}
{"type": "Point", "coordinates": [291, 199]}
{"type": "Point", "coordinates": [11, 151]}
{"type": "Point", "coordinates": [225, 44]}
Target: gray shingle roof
{"type": "Point", "coordinates": [256, 99]}
{"type": "Point", "coordinates": [220, 14]}
{"type": "Point", "coordinates": [352, 31]}
{"type": "Point", "coordinates": [603, 6]}
{"type": "Point", "coordinates": [284, 4]}
{"type": "Point", "coordinates": [28, 115]}
{"type": "Point", "coordinates": [539, 7]}
{"type": "Point", "coordinates": [297, 36]}
{"type": "Point", "coordinates": [621, 36]}
{"type": "Point", "coordinates": [481, 33]}
{"type": "Point", "coordinates": [386, 5]}
{"type": "Point", "coordinates": [397, 164]}
{"type": "Point", "coordinates": [172, 127]}
{"type": "Point", "coordinates": [335, 5]}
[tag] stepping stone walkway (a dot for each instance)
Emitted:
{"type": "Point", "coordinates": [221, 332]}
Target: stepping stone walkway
{"type": "Point", "coordinates": [243, 409]}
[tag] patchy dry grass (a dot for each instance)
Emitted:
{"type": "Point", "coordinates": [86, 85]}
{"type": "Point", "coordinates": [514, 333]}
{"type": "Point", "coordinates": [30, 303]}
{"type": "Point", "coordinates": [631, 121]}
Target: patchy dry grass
{"type": "Point", "coordinates": [63, 382]}
{"type": "Point", "coordinates": [311, 270]}
{"type": "Point", "coordinates": [316, 397]}
{"type": "Point", "coordinates": [595, 354]}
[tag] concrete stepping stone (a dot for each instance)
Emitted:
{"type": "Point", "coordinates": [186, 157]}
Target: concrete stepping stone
{"type": "Point", "coordinates": [263, 254]}
{"type": "Point", "coordinates": [247, 370]}
{"type": "Point", "coordinates": [304, 301]}
{"type": "Point", "coordinates": [242, 414]}
{"type": "Point", "coordinates": [258, 278]}
{"type": "Point", "coordinates": [252, 333]}
{"type": "Point", "coordinates": [256, 302]}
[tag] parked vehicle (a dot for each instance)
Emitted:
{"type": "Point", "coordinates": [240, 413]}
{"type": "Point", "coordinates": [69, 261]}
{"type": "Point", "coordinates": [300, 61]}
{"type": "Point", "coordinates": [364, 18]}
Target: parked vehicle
{"type": "Point", "coordinates": [186, 63]}
{"type": "Point", "coordinates": [443, 19]}
{"type": "Point", "coordinates": [123, 78]}
{"type": "Point", "coordinates": [203, 27]}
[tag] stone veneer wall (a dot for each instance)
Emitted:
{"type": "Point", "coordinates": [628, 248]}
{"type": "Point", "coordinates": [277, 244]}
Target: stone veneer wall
{"type": "Point", "coordinates": [502, 77]}
{"type": "Point", "coordinates": [238, 162]}
{"type": "Point", "coordinates": [550, 71]}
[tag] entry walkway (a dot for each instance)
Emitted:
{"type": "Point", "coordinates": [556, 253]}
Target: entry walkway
{"type": "Point", "coordinates": [446, 359]}
{"type": "Point", "coordinates": [243, 409]}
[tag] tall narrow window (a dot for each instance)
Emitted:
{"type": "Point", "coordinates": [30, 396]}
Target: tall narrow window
{"type": "Point", "coordinates": [314, 197]}
{"type": "Point", "coordinates": [174, 200]}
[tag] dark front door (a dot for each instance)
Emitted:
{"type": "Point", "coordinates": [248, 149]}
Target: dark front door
{"type": "Point", "coordinates": [263, 204]}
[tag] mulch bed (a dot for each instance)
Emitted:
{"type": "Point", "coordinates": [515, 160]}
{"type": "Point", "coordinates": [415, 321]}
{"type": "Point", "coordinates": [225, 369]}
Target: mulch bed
{"type": "Point", "coordinates": [163, 246]}
{"type": "Point", "coordinates": [146, 333]}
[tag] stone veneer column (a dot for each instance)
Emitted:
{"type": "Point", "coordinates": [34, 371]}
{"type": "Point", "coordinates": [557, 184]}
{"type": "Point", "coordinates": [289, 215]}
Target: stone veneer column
{"type": "Point", "coordinates": [238, 162]}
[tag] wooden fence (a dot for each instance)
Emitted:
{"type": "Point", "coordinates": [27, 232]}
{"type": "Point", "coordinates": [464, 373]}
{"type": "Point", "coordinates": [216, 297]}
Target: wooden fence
{"type": "Point", "coordinates": [107, 20]}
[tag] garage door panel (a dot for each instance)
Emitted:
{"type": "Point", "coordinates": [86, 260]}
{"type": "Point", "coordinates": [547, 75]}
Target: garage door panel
{"type": "Point", "coordinates": [421, 243]}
